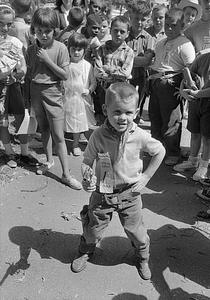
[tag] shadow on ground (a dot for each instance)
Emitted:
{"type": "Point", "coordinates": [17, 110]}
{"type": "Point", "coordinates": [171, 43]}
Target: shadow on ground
{"type": "Point", "coordinates": [172, 195]}
{"type": "Point", "coordinates": [182, 251]}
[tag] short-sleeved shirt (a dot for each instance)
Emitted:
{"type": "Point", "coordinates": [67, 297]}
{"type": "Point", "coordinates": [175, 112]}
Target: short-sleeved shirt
{"type": "Point", "coordinates": [201, 66]}
{"type": "Point", "coordinates": [121, 59]}
{"type": "Point", "coordinates": [199, 34]}
{"type": "Point", "coordinates": [173, 55]}
{"type": "Point", "coordinates": [125, 151]}
{"type": "Point", "coordinates": [157, 36]}
{"type": "Point", "coordinates": [38, 71]}
{"type": "Point", "coordinates": [141, 44]}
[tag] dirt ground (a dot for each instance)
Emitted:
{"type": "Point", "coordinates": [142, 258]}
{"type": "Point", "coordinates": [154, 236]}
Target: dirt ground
{"type": "Point", "coordinates": [41, 227]}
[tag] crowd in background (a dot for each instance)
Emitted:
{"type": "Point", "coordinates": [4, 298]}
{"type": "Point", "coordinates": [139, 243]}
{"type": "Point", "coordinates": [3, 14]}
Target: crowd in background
{"type": "Point", "coordinates": [66, 57]}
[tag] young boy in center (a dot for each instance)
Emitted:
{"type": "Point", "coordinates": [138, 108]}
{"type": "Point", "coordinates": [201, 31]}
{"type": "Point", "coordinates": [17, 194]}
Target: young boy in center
{"type": "Point", "coordinates": [114, 62]}
{"type": "Point", "coordinates": [116, 147]}
{"type": "Point", "coordinates": [172, 54]}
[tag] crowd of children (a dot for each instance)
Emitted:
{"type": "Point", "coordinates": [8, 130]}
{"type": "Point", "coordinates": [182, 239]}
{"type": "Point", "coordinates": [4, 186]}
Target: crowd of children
{"type": "Point", "coordinates": [77, 68]}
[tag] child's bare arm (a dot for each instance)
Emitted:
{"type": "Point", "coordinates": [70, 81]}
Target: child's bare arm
{"type": "Point", "coordinates": [188, 79]}
{"type": "Point", "coordinates": [150, 170]}
{"type": "Point", "coordinates": [61, 72]}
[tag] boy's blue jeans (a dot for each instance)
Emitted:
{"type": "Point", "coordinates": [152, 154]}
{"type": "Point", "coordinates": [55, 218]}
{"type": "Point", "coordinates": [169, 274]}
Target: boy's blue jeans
{"type": "Point", "coordinates": [97, 215]}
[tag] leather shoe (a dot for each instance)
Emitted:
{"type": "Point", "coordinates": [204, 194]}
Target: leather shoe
{"type": "Point", "coordinates": [79, 263]}
{"type": "Point", "coordinates": [144, 270]}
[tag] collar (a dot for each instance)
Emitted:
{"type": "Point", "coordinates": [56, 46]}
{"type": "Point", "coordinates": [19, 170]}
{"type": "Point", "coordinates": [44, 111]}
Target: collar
{"type": "Point", "coordinates": [152, 29]}
{"type": "Point", "coordinates": [109, 44]}
{"type": "Point", "coordinates": [111, 129]}
{"type": "Point", "coordinates": [38, 45]}
{"type": "Point", "coordinates": [141, 34]}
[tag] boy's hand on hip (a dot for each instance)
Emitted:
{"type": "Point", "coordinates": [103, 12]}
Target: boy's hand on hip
{"type": "Point", "coordinates": [138, 186]}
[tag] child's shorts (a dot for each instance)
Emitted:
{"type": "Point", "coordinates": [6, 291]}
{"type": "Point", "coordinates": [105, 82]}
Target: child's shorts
{"type": "Point", "coordinates": [47, 97]}
{"type": "Point", "coordinates": [199, 117]}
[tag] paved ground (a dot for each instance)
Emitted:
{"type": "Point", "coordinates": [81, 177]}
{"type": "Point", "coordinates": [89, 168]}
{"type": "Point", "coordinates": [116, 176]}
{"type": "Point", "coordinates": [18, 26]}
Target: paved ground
{"type": "Point", "coordinates": [39, 220]}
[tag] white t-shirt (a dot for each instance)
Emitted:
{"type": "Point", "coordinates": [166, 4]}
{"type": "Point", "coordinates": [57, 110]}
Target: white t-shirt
{"type": "Point", "coordinates": [173, 55]}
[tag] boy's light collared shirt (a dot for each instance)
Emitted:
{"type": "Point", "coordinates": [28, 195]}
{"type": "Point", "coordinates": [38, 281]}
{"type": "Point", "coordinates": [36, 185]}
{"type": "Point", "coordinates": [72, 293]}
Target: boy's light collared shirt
{"type": "Point", "coordinates": [173, 55]}
{"type": "Point", "coordinates": [157, 36]}
{"type": "Point", "coordinates": [125, 151]}
{"type": "Point", "coordinates": [120, 59]}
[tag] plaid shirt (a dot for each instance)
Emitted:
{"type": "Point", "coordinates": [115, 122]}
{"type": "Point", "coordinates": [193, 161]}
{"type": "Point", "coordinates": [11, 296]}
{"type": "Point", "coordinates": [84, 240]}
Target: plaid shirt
{"type": "Point", "coordinates": [119, 60]}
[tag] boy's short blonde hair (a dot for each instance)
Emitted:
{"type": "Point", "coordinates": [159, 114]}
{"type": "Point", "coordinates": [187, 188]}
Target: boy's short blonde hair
{"type": "Point", "coordinates": [122, 91]}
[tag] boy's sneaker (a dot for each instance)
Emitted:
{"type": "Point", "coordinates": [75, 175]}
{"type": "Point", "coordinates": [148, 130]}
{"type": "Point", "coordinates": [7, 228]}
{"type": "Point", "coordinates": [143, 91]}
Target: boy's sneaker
{"type": "Point", "coordinates": [171, 160]}
{"type": "Point", "coordinates": [144, 270]}
{"type": "Point", "coordinates": [45, 167]}
{"type": "Point", "coordinates": [29, 160]}
{"type": "Point", "coordinates": [11, 160]}
{"type": "Point", "coordinates": [71, 182]}
{"type": "Point", "coordinates": [200, 174]}
{"type": "Point", "coordinates": [79, 263]}
{"type": "Point", "coordinates": [185, 166]}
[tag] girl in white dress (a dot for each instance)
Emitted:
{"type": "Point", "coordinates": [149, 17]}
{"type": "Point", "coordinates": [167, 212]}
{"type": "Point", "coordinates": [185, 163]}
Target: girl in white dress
{"type": "Point", "coordinates": [79, 111]}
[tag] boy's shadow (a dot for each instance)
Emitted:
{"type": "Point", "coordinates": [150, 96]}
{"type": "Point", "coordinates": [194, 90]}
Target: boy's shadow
{"type": "Point", "coordinates": [128, 296]}
{"type": "Point", "coordinates": [64, 247]}
{"type": "Point", "coordinates": [183, 251]}
{"type": "Point", "coordinates": [48, 243]}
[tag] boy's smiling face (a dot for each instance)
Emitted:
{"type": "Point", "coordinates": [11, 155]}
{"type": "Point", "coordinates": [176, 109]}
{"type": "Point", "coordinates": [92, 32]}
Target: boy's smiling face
{"type": "Point", "coordinates": [173, 27]}
{"type": "Point", "coordinates": [121, 113]}
{"type": "Point", "coordinates": [119, 32]}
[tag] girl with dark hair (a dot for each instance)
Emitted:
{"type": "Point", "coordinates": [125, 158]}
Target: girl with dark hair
{"type": "Point", "coordinates": [79, 112]}
{"type": "Point", "coordinates": [47, 62]}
